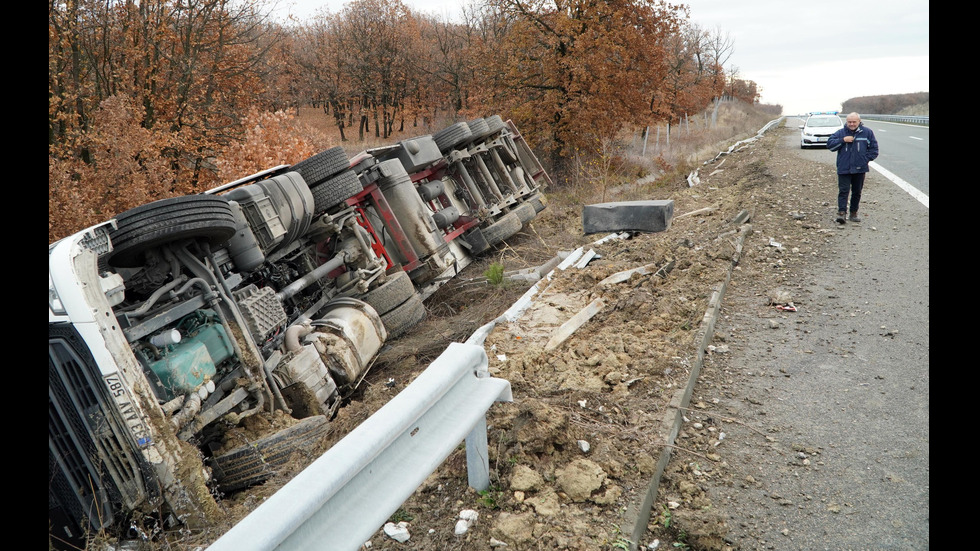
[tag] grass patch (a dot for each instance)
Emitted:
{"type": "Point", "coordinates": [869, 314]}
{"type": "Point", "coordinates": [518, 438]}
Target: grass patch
{"type": "Point", "coordinates": [495, 274]}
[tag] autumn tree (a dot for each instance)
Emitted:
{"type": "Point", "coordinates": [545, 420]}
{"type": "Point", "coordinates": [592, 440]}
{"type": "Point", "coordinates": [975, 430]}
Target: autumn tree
{"type": "Point", "coordinates": [444, 64]}
{"type": "Point", "coordinates": [191, 65]}
{"type": "Point", "coordinates": [184, 72]}
{"type": "Point", "coordinates": [690, 81]}
{"type": "Point", "coordinates": [320, 51]}
{"type": "Point", "coordinates": [378, 36]}
{"type": "Point", "coordinates": [743, 90]}
{"type": "Point", "coordinates": [581, 68]}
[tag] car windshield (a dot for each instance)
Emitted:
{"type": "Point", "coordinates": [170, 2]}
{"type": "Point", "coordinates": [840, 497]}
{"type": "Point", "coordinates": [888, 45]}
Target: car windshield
{"type": "Point", "coordinates": [823, 121]}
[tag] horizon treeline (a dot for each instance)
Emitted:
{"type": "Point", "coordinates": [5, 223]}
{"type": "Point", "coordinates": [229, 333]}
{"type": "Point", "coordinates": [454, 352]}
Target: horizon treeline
{"type": "Point", "coordinates": [888, 104]}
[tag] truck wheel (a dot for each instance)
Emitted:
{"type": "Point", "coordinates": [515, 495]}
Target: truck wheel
{"type": "Point", "coordinates": [167, 220]}
{"type": "Point", "coordinates": [502, 229]}
{"type": "Point", "coordinates": [451, 136]}
{"type": "Point", "coordinates": [322, 166]}
{"type": "Point", "coordinates": [336, 190]}
{"type": "Point", "coordinates": [479, 129]}
{"type": "Point", "coordinates": [392, 293]}
{"type": "Point", "coordinates": [494, 124]}
{"type": "Point", "coordinates": [525, 212]}
{"type": "Point", "coordinates": [256, 462]}
{"type": "Point", "coordinates": [538, 201]}
{"type": "Point", "coordinates": [403, 317]}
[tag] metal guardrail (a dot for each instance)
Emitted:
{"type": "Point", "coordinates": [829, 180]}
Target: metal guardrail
{"type": "Point", "coordinates": [924, 121]}
{"type": "Point", "coordinates": [347, 494]}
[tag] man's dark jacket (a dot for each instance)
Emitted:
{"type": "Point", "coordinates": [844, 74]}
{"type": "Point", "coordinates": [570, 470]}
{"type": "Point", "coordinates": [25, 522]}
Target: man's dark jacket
{"type": "Point", "coordinates": [853, 158]}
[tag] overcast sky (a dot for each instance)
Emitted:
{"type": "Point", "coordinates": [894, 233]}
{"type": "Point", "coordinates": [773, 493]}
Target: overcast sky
{"type": "Point", "coordinates": [804, 56]}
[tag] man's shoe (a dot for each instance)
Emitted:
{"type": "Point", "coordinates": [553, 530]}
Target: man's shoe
{"type": "Point", "coordinates": [854, 217]}
{"type": "Point", "coordinates": [840, 217]}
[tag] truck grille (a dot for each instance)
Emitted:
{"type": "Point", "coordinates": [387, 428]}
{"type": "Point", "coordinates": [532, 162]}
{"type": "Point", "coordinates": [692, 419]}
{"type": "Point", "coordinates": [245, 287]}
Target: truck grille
{"type": "Point", "coordinates": [93, 468]}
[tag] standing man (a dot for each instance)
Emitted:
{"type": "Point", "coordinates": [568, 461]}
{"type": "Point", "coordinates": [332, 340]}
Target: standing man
{"type": "Point", "coordinates": [856, 146]}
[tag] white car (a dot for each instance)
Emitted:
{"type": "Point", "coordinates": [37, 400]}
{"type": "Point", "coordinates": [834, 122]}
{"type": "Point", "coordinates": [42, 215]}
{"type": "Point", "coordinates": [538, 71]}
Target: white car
{"type": "Point", "coordinates": [818, 128]}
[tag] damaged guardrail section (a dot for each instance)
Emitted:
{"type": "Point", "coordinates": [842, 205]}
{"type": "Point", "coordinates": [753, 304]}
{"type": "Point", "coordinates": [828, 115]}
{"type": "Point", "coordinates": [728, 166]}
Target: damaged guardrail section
{"type": "Point", "coordinates": [342, 498]}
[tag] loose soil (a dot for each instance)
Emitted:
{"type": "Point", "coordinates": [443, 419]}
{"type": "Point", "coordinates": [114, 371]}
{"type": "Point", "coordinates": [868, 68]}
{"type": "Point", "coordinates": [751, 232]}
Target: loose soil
{"type": "Point", "coordinates": [579, 443]}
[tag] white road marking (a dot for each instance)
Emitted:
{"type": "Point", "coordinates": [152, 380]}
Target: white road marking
{"type": "Point", "coordinates": [909, 188]}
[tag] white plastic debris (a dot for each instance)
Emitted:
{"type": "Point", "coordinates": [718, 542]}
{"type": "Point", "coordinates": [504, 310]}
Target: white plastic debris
{"type": "Point", "coordinates": [397, 532]}
{"type": "Point", "coordinates": [582, 403]}
{"type": "Point", "coordinates": [494, 542]}
{"type": "Point", "coordinates": [654, 544]}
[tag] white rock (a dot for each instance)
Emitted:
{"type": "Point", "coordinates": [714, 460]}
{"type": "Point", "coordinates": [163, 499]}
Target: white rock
{"type": "Point", "coordinates": [583, 445]}
{"type": "Point", "coordinates": [397, 532]}
{"type": "Point", "coordinates": [654, 544]}
{"type": "Point", "coordinates": [466, 518]}
{"type": "Point", "coordinates": [494, 542]}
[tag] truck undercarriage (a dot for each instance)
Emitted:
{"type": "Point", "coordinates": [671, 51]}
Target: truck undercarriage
{"type": "Point", "coordinates": [180, 319]}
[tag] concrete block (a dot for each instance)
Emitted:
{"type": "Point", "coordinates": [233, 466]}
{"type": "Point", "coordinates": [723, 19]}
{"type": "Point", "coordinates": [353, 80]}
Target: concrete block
{"type": "Point", "coordinates": [645, 216]}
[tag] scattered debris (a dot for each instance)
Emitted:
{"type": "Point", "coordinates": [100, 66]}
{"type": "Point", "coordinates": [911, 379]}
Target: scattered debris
{"type": "Point", "coordinates": [466, 518]}
{"type": "Point", "coordinates": [620, 277]}
{"type": "Point", "coordinates": [578, 320]}
{"type": "Point", "coordinates": [397, 532]}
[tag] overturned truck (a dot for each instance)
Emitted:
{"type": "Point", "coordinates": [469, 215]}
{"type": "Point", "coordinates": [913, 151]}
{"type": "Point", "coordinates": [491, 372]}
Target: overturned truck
{"type": "Point", "coordinates": [178, 320]}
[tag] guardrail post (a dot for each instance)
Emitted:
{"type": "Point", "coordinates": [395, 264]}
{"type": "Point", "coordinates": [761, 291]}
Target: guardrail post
{"type": "Point", "coordinates": [477, 457]}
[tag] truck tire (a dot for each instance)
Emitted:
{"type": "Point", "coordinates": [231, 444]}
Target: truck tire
{"type": "Point", "coordinates": [334, 191]}
{"type": "Point", "coordinates": [256, 462]}
{"type": "Point", "coordinates": [404, 316]}
{"type": "Point", "coordinates": [502, 229]}
{"type": "Point", "coordinates": [494, 124]}
{"type": "Point", "coordinates": [322, 166]}
{"type": "Point", "coordinates": [167, 220]}
{"type": "Point", "coordinates": [538, 201]}
{"type": "Point", "coordinates": [479, 129]}
{"type": "Point", "coordinates": [452, 136]}
{"type": "Point", "coordinates": [392, 293]}
{"type": "Point", "coordinates": [525, 212]}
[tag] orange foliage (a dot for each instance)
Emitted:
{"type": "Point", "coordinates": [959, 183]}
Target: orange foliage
{"type": "Point", "coordinates": [271, 139]}
{"type": "Point", "coordinates": [127, 169]}
{"type": "Point", "coordinates": [578, 69]}
{"type": "Point", "coordinates": [157, 98]}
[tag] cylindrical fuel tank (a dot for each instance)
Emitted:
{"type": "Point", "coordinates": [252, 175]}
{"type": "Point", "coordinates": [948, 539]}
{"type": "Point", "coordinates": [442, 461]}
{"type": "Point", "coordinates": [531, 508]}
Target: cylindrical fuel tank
{"type": "Point", "coordinates": [412, 214]}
